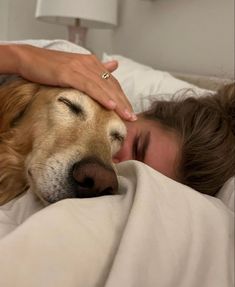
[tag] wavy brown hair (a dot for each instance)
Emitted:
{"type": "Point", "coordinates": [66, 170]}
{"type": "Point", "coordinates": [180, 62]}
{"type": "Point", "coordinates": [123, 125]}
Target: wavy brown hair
{"type": "Point", "coordinates": [206, 127]}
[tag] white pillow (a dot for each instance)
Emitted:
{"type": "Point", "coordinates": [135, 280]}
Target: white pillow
{"type": "Point", "coordinates": [142, 83]}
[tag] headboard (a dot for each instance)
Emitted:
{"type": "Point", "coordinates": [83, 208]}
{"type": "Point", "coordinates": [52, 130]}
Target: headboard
{"type": "Point", "coordinates": [204, 82]}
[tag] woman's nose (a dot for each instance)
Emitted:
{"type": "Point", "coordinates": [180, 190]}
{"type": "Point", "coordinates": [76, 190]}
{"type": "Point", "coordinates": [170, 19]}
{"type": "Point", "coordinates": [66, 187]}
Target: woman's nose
{"type": "Point", "coordinates": [123, 155]}
{"type": "Point", "coordinates": [116, 160]}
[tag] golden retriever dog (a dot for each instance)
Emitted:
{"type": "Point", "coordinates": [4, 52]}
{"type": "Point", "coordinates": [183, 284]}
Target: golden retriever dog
{"type": "Point", "coordinates": [56, 141]}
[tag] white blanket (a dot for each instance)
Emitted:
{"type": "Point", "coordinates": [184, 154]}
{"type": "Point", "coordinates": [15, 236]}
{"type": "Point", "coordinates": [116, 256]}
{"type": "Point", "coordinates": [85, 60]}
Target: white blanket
{"type": "Point", "coordinates": [156, 233]}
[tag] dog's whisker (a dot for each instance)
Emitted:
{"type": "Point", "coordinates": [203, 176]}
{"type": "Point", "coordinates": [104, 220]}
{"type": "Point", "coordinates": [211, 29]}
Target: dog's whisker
{"type": "Point", "coordinates": [42, 164]}
{"type": "Point", "coordinates": [37, 168]}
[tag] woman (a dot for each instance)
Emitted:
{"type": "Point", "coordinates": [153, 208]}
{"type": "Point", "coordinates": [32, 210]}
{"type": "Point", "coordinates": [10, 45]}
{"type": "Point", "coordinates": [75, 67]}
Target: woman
{"type": "Point", "coordinates": [189, 140]}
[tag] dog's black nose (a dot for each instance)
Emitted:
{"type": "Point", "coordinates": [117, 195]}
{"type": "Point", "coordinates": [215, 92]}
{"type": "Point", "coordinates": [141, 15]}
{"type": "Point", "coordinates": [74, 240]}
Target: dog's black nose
{"type": "Point", "coordinates": [93, 178]}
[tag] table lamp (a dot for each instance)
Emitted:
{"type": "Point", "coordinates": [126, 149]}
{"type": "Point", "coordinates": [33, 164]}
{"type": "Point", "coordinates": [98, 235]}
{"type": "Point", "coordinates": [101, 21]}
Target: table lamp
{"type": "Point", "coordinates": [78, 15]}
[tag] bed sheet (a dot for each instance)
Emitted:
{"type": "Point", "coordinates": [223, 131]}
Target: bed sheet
{"type": "Point", "coordinates": [157, 232]}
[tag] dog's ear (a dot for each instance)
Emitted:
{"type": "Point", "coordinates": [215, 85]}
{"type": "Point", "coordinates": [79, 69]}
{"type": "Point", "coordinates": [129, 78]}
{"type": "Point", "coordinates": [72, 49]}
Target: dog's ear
{"type": "Point", "coordinates": [14, 99]}
{"type": "Point", "coordinates": [12, 177]}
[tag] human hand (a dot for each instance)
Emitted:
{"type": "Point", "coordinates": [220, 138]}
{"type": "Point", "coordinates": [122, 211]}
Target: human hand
{"type": "Point", "coordinates": [80, 71]}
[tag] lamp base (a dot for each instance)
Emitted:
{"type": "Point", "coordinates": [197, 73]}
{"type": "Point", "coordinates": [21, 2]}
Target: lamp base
{"type": "Point", "coordinates": [77, 35]}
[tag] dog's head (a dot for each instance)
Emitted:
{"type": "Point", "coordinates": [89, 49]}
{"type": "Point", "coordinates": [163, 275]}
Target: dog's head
{"type": "Point", "coordinates": [57, 141]}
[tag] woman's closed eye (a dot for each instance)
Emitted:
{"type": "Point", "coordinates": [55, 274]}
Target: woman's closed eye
{"type": "Point", "coordinates": [135, 148]}
{"type": "Point", "coordinates": [140, 146]}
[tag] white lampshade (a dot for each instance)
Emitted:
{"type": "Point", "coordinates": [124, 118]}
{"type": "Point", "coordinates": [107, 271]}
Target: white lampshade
{"type": "Point", "coordinates": [92, 13]}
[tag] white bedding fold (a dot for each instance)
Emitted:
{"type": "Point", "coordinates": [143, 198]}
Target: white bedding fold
{"type": "Point", "coordinates": [157, 233]}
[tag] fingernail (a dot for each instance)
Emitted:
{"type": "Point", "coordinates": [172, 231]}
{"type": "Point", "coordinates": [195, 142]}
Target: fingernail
{"type": "Point", "coordinates": [130, 116]}
{"type": "Point", "coordinates": [133, 117]}
{"type": "Point", "coordinates": [112, 104]}
{"type": "Point", "coordinates": [127, 114]}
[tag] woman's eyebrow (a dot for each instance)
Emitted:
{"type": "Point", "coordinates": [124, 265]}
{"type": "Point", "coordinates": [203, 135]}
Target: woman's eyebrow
{"type": "Point", "coordinates": [144, 146]}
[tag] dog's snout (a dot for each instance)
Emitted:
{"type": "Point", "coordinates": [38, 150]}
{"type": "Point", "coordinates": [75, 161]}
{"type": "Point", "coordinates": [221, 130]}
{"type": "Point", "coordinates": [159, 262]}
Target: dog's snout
{"type": "Point", "coordinates": [93, 178]}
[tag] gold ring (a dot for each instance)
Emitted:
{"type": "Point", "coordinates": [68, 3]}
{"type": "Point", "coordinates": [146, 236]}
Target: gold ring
{"type": "Point", "coordinates": [105, 75]}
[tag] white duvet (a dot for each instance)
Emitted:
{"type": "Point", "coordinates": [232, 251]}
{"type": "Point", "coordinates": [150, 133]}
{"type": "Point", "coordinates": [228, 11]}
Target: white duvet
{"type": "Point", "coordinates": [156, 233]}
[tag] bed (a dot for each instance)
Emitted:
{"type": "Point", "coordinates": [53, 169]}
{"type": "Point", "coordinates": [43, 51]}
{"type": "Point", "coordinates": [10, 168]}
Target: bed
{"type": "Point", "coordinates": [156, 232]}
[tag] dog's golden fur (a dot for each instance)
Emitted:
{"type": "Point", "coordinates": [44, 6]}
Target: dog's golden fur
{"type": "Point", "coordinates": [14, 99]}
{"type": "Point", "coordinates": [36, 127]}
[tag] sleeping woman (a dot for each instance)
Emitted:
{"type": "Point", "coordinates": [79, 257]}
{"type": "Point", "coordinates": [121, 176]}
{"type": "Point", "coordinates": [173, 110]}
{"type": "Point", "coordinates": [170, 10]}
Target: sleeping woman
{"type": "Point", "coordinates": [191, 140]}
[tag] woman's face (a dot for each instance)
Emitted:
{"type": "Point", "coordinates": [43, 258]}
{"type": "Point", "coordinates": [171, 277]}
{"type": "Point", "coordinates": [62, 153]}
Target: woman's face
{"type": "Point", "coordinates": [147, 141]}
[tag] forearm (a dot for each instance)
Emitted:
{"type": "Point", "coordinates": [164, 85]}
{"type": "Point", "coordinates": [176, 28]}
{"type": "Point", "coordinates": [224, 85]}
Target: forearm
{"type": "Point", "coordinates": [80, 71]}
{"type": "Point", "coordinates": [9, 59]}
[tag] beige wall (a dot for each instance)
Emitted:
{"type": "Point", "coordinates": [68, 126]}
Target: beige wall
{"type": "Point", "coordinates": [193, 36]}
{"type": "Point", "coordinates": [17, 16]}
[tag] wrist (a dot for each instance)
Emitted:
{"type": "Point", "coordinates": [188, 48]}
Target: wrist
{"type": "Point", "coordinates": [16, 56]}
{"type": "Point", "coordinates": [12, 58]}
{"type": "Point", "coordinates": [8, 59]}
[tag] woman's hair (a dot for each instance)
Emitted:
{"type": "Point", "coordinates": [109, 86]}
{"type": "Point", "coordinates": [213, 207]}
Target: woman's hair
{"type": "Point", "coordinates": [206, 127]}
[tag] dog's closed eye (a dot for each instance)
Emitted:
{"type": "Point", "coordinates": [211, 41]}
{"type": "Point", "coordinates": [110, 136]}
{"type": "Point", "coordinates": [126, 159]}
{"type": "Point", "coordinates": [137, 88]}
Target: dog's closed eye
{"type": "Point", "coordinates": [73, 107]}
{"type": "Point", "coordinates": [116, 136]}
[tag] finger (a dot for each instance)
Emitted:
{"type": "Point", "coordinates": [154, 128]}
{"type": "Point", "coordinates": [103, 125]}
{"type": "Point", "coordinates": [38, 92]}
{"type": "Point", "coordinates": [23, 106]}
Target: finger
{"type": "Point", "coordinates": [91, 88]}
{"type": "Point", "coordinates": [126, 114]}
{"type": "Point", "coordinates": [110, 85]}
{"type": "Point", "coordinates": [107, 92]}
{"type": "Point", "coordinates": [111, 66]}
{"type": "Point", "coordinates": [112, 92]}
{"type": "Point", "coordinates": [98, 94]}
{"type": "Point", "coordinates": [117, 93]}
